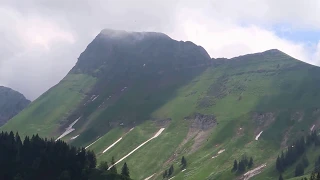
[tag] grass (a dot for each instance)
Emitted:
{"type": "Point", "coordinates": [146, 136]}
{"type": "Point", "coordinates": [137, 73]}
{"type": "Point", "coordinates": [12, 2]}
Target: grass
{"type": "Point", "coordinates": [44, 115]}
{"type": "Point", "coordinates": [233, 92]}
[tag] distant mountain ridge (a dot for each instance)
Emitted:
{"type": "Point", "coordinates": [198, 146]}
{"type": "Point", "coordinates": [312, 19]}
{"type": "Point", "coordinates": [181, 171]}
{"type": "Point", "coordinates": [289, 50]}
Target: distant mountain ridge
{"type": "Point", "coordinates": [11, 103]}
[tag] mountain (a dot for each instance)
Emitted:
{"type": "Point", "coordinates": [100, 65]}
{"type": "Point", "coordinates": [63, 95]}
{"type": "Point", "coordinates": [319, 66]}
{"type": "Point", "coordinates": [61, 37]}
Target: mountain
{"type": "Point", "coordinates": [146, 99]}
{"type": "Point", "coordinates": [11, 103]}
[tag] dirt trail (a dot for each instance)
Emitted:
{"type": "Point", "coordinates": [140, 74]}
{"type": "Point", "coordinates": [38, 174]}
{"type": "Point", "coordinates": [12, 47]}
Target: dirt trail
{"type": "Point", "coordinates": [253, 172]}
{"type": "Point", "coordinates": [68, 130]}
{"type": "Point", "coordinates": [257, 137]}
{"type": "Point", "coordinates": [156, 135]}
{"type": "Point", "coordinates": [149, 177]}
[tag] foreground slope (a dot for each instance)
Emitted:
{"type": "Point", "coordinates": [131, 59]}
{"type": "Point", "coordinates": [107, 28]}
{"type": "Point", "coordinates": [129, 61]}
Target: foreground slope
{"type": "Point", "coordinates": [11, 103]}
{"type": "Point", "coordinates": [152, 100]}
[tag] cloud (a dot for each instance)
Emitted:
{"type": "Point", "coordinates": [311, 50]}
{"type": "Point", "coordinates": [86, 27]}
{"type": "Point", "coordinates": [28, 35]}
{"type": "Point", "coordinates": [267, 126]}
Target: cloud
{"type": "Point", "coordinates": [41, 40]}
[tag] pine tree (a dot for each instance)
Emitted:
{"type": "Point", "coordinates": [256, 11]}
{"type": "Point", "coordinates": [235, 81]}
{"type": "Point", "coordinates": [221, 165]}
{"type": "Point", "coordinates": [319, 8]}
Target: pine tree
{"type": "Point", "coordinates": [170, 172]}
{"type": "Point", "coordinates": [103, 166]}
{"type": "Point", "coordinates": [113, 168]}
{"type": "Point", "coordinates": [125, 170]}
{"type": "Point", "coordinates": [280, 177]}
{"type": "Point", "coordinates": [241, 166]}
{"type": "Point", "coordinates": [183, 163]}
{"type": "Point", "coordinates": [235, 165]}
{"type": "Point", "coordinates": [305, 161]}
{"type": "Point", "coordinates": [299, 170]}
{"type": "Point", "coordinates": [250, 164]}
{"type": "Point", "coordinates": [165, 174]}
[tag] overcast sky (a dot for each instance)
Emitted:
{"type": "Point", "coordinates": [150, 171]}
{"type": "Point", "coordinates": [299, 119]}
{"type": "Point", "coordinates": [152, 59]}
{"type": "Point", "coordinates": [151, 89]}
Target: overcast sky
{"type": "Point", "coordinates": [40, 40]}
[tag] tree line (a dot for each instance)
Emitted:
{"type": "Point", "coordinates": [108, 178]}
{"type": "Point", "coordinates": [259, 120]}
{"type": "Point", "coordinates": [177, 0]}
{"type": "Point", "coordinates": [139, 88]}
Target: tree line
{"type": "Point", "coordinates": [244, 163]}
{"type": "Point", "coordinates": [295, 151]}
{"type": "Point", "coordinates": [36, 158]}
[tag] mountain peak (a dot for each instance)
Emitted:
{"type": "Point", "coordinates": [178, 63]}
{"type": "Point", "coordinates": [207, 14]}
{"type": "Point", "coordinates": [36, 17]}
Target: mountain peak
{"type": "Point", "coordinates": [131, 35]}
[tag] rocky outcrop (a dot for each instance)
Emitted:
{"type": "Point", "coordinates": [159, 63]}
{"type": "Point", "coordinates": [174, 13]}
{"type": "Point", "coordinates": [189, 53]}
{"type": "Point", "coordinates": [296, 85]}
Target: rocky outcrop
{"type": "Point", "coordinates": [202, 121]}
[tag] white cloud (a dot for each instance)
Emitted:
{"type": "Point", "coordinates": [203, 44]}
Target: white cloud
{"type": "Point", "coordinates": [41, 40]}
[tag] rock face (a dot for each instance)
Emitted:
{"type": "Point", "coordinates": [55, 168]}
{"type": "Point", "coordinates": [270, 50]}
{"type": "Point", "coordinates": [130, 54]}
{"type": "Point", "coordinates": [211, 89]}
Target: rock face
{"type": "Point", "coordinates": [203, 122]}
{"type": "Point", "coordinates": [11, 103]}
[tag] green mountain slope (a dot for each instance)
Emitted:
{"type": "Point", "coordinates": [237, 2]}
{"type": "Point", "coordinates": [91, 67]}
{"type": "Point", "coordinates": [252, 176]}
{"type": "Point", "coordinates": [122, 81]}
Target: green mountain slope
{"type": "Point", "coordinates": [11, 103]}
{"type": "Point", "coordinates": [126, 86]}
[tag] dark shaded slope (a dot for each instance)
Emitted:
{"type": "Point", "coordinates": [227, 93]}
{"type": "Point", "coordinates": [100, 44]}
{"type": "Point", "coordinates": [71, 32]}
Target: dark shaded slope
{"type": "Point", "coordinates": [11, 103]}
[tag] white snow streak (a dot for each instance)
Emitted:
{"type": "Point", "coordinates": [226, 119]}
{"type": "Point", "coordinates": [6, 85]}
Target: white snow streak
{"type": "Point", "coordinates": [68, 129]}
{"type": "Point", "coordinates": [183, 170]}
{"type": "Point", "coordinates": [156, 135]}
{"type": "Point", "coordinates": [311, 129]}
{"type": "Point", "coordinates": [171, 178]}
{"type": "Point", "coordinates": [93, 143]}
{"type": "Point", "coordinates": [257, 137]}
{"type": "Point", "coordinates": [253, 172]}
{"type": "Point", "coordinates": [221, 151]}
{"type": "Point", "coordinates": [74, 137]}
{"type": "Point", "coordinates": [95, 98]}
{"type": "Point", "coordinates": [149, 177]}
{"type": "Point", "coordinates": [112, 145]}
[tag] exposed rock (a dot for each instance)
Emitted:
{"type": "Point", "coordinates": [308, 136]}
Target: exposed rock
{"type": "Point", "coordinates": [262, 120]}
{"type": "Point", "coordinates": [203, 122]}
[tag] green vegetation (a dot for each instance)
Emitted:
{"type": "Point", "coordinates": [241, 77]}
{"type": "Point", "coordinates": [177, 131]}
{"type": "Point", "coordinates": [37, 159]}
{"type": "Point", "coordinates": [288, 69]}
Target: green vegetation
{"type": "Point", "coordinates": [212, 109]}
{"type": "Point", "coordinates": [44, 115]}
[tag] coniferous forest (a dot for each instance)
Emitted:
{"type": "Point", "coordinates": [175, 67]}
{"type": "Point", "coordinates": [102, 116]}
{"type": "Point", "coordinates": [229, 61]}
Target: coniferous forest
{"type": "Point", "coordinates": [36, 158]}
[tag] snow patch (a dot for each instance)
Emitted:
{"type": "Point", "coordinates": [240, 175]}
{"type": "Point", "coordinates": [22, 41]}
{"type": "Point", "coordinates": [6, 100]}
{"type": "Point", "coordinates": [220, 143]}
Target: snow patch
{"type": "Point", "coordinates": [183, 170]}
{"type": "Point", "coordinates": [68, 129]}
{"type": "Point", "coordinates": [112, 145]}
{"type": "Point", "coordinates": [253, 172]}
{"type": "Point", "coordinates": [219, 152]}
{"type": "Point", "coordinates": [311, 129]}
{"type": "Point", "coordinates": [149, 177]}
{"type": "Point", "coordinates": [74, 137]}
{"type": "Point", "coordinates": [171, 178]}
{"type": "Point", "coordinates": [93, 143]}
{"type": "Point", "coordinates": [95, 98]}
{"type": "Point", "coordinates": [156, 135]}
{"type": "Point", "coordinates": [257, 137]}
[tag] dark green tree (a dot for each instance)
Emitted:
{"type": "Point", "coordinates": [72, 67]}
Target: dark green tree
{"type": "Point", "coordinates": [280, 177]}
{"type": "Point", "coordinates": [113, 168]}
{"type": "Point", "coordinates": [235, 165]}
{"type": "Point", "coordinates": [165, 174]}
{"type": "Point", "coordinates": [103, 166]}
{"type": "Point", "coordinates": [125, 170]}
{"type": "Point", "coordinates": [170, 171]}
{"type": "Point", "coordinates": [305, 161]}
{"type": "Point", "coordinates": [299, 171]}
{"type": "Point", "coordinates": [183, 162]}
{"type": "Point", "coordinates": [241, 166]}
{"type": "Point", "coordinates": [250, 163]}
